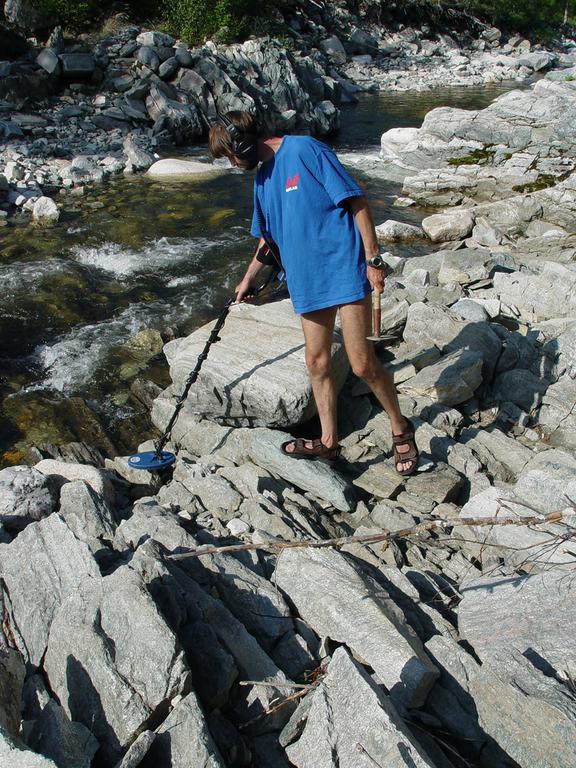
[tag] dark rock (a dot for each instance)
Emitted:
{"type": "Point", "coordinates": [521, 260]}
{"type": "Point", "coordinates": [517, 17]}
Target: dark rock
{"type": "Point", "coordinates": [12, 44]}
{"type": "Point", "coordinates": [77, 66]}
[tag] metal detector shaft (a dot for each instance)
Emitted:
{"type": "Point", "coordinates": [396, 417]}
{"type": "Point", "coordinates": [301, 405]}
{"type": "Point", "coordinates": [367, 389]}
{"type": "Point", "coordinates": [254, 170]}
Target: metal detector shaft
{"type": "Point", "coordinates": [212, 339]}
{"type": "Point", "coordinates": [194, 375]}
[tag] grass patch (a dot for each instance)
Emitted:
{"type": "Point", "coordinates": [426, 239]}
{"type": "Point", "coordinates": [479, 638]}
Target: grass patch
{"type": "Point", "coordinates": [476, 157]}
{"type": "Point", "coordinates": [542, 182]}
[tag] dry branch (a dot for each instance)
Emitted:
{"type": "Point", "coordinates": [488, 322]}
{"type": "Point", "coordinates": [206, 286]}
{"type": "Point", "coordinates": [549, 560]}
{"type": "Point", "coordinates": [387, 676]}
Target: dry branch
{"type": "Point", "coordinates": [374, 538]}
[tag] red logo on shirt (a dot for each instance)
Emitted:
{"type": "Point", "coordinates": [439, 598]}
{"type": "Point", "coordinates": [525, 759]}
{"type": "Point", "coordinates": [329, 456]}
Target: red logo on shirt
{"type": "Point", "coordinates": [292, 183]}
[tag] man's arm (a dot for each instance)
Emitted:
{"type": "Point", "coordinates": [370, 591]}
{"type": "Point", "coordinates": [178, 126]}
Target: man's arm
{"type": "Point", "coordinates": [365, 223]}
{"type": "Point", "coordinates": [246, 286]}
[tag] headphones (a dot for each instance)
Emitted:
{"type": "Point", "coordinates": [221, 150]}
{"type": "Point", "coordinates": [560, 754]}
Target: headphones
{"type": "Point", "coordinates": [244, 145]}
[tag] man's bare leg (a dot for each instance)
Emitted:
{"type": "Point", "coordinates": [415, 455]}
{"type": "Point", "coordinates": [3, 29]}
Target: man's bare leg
{"type": "Point", "coordinates": [356, 322]}
{"type": "Point", "coordinates": [318, 330]}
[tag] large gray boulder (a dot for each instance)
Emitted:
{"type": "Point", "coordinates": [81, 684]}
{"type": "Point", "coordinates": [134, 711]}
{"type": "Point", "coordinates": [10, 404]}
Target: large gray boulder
{"type": "Point", "coordinates": [548, 481]}
{"type": "Point", "coordinates": [552, 293]}
{"type": "Point", "coordinates": [528, 547]}
{"type": "Point", "coordinates": [450, 381]}
{"type": "Point", "coordinates": [353, 724]}
{"type": "Point", "coordinates": [256, 373]}
{"type": "Point", "coordinates": [453, 225]}
{"type": "Point", "coordinates": [61, 471]}
{"type": "Point", "coordinates": [26, 495]}
{"type": "Point", "coordinates": [43, 566]}
{"type": "Point", "coordinates": [505, 708]}
{"type": "Point", "coordinates": [429, 325]}
{"type": "Point", "coordinates": [112, 660]}
{"type": "Point", "coordinates": [341, 603]}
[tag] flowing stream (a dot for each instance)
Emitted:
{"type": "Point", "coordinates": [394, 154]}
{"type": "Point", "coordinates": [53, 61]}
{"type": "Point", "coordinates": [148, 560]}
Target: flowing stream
{"type": "Point", "coordinates": [138, 254]}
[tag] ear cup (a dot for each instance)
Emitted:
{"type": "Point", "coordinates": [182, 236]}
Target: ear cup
{"type": "Point", "coordinates": [243, 144]}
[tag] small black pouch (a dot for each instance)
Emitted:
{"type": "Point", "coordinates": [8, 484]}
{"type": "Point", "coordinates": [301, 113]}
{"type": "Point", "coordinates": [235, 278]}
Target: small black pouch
{"type": "Point", "coordinates": [270, 255]}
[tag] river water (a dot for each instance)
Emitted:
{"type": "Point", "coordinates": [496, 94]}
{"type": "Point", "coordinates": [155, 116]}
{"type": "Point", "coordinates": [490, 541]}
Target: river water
{"type": "Point", "coordinates": [139, 254]}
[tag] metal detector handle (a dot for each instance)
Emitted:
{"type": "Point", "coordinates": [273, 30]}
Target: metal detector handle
{"type": "Point", "coordinates": [376, 312]}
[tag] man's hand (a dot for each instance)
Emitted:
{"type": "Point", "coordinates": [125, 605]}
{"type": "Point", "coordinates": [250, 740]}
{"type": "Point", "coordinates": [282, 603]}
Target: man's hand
{"type": "Point", "coordinates": [376, 278]}
{"type": "Point", "coordinates": [244, 290]}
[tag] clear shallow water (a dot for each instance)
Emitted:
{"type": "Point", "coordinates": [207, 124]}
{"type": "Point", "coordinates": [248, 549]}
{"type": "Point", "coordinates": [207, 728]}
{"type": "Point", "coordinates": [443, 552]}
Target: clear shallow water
{"type": "Point", "coordinates": [137, 254]}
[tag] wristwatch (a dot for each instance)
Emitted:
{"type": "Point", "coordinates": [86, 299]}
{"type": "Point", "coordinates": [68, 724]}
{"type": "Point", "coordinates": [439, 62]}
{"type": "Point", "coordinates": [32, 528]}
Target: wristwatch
{"type": "Point", "coordinates": [376, 261]}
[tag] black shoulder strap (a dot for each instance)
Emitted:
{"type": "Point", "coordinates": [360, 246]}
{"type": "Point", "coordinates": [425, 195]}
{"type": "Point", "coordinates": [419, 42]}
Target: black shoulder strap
{"type": "Point", "coordinates": [272, 246]}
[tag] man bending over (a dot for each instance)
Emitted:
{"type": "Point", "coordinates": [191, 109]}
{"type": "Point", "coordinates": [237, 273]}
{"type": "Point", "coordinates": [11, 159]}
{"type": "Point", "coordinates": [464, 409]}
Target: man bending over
{"type": "Point", "coordinates": [319, 217]}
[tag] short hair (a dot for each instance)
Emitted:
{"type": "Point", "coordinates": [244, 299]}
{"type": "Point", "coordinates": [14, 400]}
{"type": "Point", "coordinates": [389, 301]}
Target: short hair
{"type": "Point", "coordinates": [219, 141]}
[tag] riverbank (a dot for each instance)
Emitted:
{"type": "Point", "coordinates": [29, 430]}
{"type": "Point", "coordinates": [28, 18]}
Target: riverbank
{"type": "Point", "coordinates": [79, 111]}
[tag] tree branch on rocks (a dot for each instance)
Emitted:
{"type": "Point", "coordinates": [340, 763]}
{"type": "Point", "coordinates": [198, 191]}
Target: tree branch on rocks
{"type": "Point", "coordinates": [405, 533]}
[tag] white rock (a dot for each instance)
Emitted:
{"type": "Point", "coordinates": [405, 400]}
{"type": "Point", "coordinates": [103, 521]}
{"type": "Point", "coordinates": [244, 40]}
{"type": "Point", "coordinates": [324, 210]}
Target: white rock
{"type": "Point", "coordinates": [174, 167]}
{"type": "Point", "coordinates": [45, 211]}
{"type": "Point", "coordinates": [453, 225]}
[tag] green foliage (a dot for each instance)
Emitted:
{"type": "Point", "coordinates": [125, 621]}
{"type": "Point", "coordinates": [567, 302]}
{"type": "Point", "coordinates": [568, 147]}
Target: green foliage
{"type": "Point", "coordinates": [536, 18]}
{"type": "Point", "coordinates": [71, 14]}
{"type": "Point", "coordinates": [225, 20]}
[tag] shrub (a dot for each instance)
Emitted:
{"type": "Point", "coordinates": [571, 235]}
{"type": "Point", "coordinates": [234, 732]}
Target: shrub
{"type": "Point", "coordinates": [75, 15]}
{"type": "Point", "coordinates": [194, 20]}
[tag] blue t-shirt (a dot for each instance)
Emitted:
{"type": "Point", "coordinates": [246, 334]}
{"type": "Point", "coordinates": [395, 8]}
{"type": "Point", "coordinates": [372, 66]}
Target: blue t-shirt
{"type": "Point", "coordinates": [300, 190]}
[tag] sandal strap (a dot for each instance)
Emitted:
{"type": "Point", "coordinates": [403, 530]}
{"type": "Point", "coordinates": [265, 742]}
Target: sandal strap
{"type": "Point", "coordinates": [405, 437]}
{"type": "Point", "coordinates": [316, 448]}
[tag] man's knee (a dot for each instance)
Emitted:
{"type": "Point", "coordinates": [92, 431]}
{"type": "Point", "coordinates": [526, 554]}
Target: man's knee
{"type": "Point", "coordinates": [319, 364]}
{"type": "Point", "coordinates": [369, 370]}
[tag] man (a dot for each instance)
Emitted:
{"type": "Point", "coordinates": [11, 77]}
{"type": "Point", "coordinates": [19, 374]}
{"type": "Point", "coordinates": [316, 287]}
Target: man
{"type": "Point", "coordinates": [320, 219]}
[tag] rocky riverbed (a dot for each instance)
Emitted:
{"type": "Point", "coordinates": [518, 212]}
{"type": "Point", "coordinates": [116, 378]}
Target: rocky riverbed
{"type": "Point", "coordinates": [75, 112]}
{"type": "Point", "coordinates": [437, 630]}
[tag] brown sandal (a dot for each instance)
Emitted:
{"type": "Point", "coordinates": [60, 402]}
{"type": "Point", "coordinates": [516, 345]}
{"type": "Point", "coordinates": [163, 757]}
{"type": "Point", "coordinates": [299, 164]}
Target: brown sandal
{"type": "Point", "coordinates": [412, 455]}
{"type": "Point", "coordinates": [317, 451]}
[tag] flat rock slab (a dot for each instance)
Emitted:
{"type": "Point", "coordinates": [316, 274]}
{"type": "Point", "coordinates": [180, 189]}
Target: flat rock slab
{"type": "Point", "coordinates": [534, 614]}
{"type": "Point", "coordinates": [312, 476]}
{"type": "Point", "coordinates": [450, 381]}
{"type": "Point", "coordinates": [175, 168]}
{"type": "Point", "coordinates": [534, 727]}
{"type": "Point", "coordinates": [339, 602]}
{"type": "Point", "coordinates": [256, 374]}
{"type": "Point", "coordinates": [353, 724]}
{"type": "Point", "coordinates": [381, 480]}
{"type": "Point", "coordinates": [547, 481]}
{"type": "Point", "coordinates": [441, 485]}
